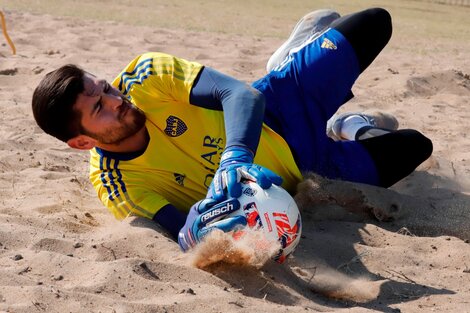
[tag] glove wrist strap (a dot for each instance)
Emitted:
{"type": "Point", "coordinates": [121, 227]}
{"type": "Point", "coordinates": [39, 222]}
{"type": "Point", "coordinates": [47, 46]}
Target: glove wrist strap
{"type": "Point", "coordinates": [236, 154]}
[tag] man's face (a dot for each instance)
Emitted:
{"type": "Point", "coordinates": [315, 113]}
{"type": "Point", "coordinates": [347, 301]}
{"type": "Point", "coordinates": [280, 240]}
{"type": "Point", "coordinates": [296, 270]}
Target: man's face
{"type": "Point", "coordinates": [106, 115]}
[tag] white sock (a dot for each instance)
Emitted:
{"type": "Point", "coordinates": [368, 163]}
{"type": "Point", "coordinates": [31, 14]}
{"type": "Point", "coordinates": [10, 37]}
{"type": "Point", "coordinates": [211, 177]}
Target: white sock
{"type": "Point", "coordinates": [351, 125]}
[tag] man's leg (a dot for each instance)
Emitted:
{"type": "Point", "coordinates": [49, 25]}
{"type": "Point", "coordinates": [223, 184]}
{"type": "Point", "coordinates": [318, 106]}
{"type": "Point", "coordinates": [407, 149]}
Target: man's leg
{"type": "Point", "coordinates": [395, 154]}
{"type": "Point", "coordinates": [307, 88]}
{"type": "Point", "coordinates": [314, 81]}
{"type": "Point", "coordinates": [356, 126]}
{"type": "Point", "coordinates": [367, 31]}
{"type": "Point", "coordinates": [374, 22]}
{"type": "Point", "coordinates": [309, 25]}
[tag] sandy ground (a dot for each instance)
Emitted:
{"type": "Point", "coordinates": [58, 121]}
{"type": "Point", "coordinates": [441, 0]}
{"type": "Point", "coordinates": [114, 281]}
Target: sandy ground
{"type": "Point", "coordinates": [364, 249]}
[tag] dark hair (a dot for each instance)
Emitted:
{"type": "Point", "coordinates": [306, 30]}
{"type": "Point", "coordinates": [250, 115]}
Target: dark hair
{"type": "Point", "coordinates": [53, 101]}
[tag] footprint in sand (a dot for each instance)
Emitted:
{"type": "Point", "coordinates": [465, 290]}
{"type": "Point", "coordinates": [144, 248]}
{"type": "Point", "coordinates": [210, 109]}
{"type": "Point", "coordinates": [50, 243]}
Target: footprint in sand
{"type": "Point", "coordinates": [9, 71]}
{"type": "Point", "coordinates": [54, 245]}
{"type": "Point", "coordinates": [451, 82]}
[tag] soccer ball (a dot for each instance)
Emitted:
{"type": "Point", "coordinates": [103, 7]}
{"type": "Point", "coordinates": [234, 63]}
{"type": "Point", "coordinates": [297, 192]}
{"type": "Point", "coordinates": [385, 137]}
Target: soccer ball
{"type": "Point", "coordinates": [275, 212]}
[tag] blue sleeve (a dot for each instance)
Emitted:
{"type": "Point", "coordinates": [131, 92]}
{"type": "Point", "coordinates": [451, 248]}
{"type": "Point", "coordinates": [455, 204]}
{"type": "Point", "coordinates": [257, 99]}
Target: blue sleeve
{"type": "Point", "coordinates": [242, 104]}
{"type": "Point", "coordinates": [170, 219]}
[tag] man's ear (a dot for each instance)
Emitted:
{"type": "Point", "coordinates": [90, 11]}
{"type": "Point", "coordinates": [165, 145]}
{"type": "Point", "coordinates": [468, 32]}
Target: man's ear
{"type": "Point", "coordinates": [82, 142]}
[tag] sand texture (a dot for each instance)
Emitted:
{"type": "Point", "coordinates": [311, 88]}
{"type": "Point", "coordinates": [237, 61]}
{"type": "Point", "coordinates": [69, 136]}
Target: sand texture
{"type": "Point", "coordinates": [363, 249]}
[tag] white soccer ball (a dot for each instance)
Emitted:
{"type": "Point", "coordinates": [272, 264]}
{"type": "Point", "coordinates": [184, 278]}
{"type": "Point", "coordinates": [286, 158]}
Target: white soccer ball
{"type": "Point", "coordinates": [275, 212]}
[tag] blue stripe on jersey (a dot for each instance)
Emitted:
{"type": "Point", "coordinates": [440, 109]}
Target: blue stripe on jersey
{"type": "Point", "coordinates": [116, 187]}
{"type": "Point", "coordinates": [112, 179]}
{"type": "Point", "coordinates": [103, 179]}
{"type": "Point", "coordinates": [128, 75]}
{"type": "Point", "coordinates": [139, 74]}
{"type": "Point", "coordinates": [119, 177]}
{"type": "Point", "coordinates": [138, 80]}
{"type": "Point", "coordinates": [112, 195]}
{"type": "Point", "coordinates": [143, 70]}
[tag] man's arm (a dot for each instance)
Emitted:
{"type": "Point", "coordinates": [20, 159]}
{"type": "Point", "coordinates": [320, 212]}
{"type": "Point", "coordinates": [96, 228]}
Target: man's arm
{"type": "Point", "coordinates": [243, 108]}
{"type": "Point", "coordinates": [203, 216]}
{"type": "Point", "coordinates": [171, 219]}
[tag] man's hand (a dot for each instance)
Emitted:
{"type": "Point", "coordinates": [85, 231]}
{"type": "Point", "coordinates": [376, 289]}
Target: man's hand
{"type": "Point", "coordinates": [236, 164]}
{"type": "Point", "coordinates": [208, 211]}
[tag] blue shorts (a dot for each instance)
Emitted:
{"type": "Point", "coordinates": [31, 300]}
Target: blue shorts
{"type": "Point", "coordinates": [303, 93]}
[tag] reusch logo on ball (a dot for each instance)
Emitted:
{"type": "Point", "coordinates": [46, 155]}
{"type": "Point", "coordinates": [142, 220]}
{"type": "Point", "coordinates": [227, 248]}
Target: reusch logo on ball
{"type": "Point", "coordinates": [175, 126]}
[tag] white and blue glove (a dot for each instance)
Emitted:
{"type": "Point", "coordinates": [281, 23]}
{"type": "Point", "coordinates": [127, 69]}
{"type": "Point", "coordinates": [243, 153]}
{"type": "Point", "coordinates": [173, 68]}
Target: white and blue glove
{"type": "Point", "coordinates": [206, 215]}
{"type": "Point", "coordinates": [236, 164]}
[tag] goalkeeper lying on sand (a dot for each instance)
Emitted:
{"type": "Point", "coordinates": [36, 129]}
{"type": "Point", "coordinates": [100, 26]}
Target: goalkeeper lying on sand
{"type": "Point", "coordinates": [167, 132]}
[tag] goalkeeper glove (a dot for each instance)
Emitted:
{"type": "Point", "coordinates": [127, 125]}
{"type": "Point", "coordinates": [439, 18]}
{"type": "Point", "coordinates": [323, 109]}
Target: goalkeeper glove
{"type": "Point", "coordinates": [236, 164]}
{"type": "Point", "coordinates": [206, 215]}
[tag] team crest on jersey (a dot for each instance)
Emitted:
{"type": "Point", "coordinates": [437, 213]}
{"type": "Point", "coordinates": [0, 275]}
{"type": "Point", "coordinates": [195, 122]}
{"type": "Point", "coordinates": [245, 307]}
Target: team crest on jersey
{"type": "Point", "coordinates": [327, 44]}
{"type": "Point", "coordinates": [175, 126]}
{"type": "Point", "coordinates": [179, 178]}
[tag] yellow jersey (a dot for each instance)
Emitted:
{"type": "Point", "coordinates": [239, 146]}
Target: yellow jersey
{"type": "Point", "coordinates": [186, 143]}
